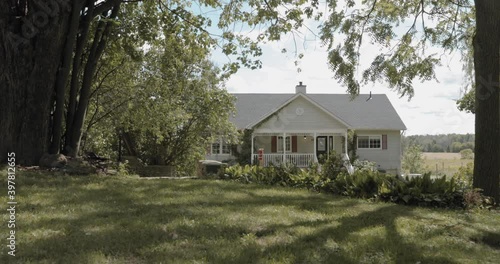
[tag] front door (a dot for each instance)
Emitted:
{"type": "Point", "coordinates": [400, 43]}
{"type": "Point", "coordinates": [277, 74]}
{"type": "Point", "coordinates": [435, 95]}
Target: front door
{"type": "Point", "coordinates": [321, 146]}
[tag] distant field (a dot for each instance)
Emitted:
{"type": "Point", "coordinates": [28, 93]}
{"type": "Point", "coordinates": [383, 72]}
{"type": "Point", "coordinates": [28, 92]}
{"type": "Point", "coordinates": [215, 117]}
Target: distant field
{"type": "Point", "coordinates": [444, 163]}
{"type": "Point", "coordinates": [441, 155]}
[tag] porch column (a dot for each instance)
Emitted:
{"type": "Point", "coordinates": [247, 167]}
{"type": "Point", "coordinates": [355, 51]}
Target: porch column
{"type": "Point", "coordinates": [330, 147]}
{"type": "Point", "coordinates": [345, 136]}
{"type": "Point", "coordinates": [251, 155]}
{"type": "Point", "coordinates": [314, 143]}
{"type": "Point", "coordinates": [284, 148]}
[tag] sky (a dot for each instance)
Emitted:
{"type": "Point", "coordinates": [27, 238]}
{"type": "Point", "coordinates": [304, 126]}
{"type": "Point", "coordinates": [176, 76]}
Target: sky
{"type": "Point", "coordinates": [432, 110]}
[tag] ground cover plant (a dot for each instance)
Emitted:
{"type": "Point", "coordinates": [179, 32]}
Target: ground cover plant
{"type": "Point", "coordinates": [368, 183]}
{"type": "Point", "coordinates": [118, 219]}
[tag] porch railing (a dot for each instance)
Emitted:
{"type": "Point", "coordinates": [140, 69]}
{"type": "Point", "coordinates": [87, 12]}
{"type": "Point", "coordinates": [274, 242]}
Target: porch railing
{"type": "Point", "coordinates": [299, 159]}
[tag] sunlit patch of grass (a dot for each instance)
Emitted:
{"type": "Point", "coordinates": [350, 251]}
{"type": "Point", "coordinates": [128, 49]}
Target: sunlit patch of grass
{"type": "Point", "coordinates": [63, 219]}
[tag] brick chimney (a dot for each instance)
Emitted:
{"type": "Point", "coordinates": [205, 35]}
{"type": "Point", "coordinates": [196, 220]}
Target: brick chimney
{"type": "Point", "coordinates": [300, 88]}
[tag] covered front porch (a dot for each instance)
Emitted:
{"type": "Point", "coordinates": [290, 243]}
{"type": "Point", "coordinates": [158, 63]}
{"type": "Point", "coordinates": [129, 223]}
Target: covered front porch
{"type": "Point", "coordinates": [300, 147]}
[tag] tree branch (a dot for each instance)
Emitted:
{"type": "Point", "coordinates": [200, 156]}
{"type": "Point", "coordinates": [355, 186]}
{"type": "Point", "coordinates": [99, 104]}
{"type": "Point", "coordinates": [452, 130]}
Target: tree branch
{"type": "Point", "coordinates": [105, 6]}
{"type": "Point", "coordinates": [107, 113]}
{"type": "Point", "coordinates": [366, 18]}
{"type": "Point", "coordinates": [105, 77]}
{"type": "Point", "coordinates": [458, 4]}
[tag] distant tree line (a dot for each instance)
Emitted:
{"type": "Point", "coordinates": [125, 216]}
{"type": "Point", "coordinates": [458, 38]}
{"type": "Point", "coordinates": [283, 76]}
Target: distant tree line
{"type": "Point", "coordinates": [441, 143]}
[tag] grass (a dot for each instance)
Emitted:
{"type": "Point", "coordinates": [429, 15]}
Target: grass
{"type": "Point", "coordinates": [444, 163]}
{"type": "Point", "coordinates": [63, 219]}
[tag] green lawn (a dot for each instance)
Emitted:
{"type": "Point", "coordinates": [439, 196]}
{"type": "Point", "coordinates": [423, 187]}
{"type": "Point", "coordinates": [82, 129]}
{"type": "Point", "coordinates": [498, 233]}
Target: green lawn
{"type": "Point", "coordinates": [62, 219]}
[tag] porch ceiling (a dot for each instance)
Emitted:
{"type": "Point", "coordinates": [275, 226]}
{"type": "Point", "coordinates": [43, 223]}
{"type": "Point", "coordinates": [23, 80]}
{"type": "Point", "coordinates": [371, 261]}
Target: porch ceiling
{"type": "Point", "coordinates": [305, 133]}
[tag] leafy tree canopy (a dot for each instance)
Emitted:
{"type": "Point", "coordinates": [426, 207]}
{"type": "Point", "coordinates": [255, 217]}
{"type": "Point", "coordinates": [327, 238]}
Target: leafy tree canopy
{"type": "Point", "coordinates": [163, 95]}
{"type": "Point", "coordinates": [404, 31]}
{"type": "Point", "coordinates": [412, 160]}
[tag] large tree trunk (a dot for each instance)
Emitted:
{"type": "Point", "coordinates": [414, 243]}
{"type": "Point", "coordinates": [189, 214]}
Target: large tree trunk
{"type": "Point", "coordinates": [32, 34]}
{"type": "Point", "coordinates": [75, 75]}
{"type": "Point", "coordinates": [74, 132]}
{"type": "Point", "coordinates": [487, 70]}
{"type": "Point", "coordinates": [62, 77]}
{"type": "Point", "coordinates": [102, 34]}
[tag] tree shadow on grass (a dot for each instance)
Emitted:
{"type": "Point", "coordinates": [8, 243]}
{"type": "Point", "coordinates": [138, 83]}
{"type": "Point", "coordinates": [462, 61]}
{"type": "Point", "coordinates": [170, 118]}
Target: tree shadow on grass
{"type": "Point", "coordinates": [132, 221]}
{"type": "Point", "coordinates": [490, 239]}
{"type": "Point", "coordinates": [126, 218]}
{"type": "Point", "coordinates": [389, 248]}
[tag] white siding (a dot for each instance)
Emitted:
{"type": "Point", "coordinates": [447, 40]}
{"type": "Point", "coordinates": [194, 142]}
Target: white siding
{"type": "Point", "coordinates": [299, 115]}
{"type": "Point", "coordinates": [338, 141]}
{"type": "Point", "coordinates": [305, 145]}
{"type": "Point", "coordinates": [388, 159]}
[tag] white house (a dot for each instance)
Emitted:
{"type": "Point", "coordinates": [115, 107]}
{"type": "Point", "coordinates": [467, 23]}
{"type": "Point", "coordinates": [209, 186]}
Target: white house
{"type": "Point", "coordinates": [299, 127]}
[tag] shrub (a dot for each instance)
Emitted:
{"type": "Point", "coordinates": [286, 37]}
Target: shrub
{"type": "Point", "coordinates": [362, 183]}
{"type": "Point", "coordinates": [309, 179]}
{"type": "Point", "coordinates": [245, 174]}
{"type": "Point", "coordinates": [365, 183]}
{"type": "Point", "coordinates": [466, 154]}
{"type": "Point", "coordinates": [473, 198]}
{"type": "Point", "coordinates": [364, 165]}
{"type": "Point", "coordinates": [123, 168]}
{"type": "Point", "coordinates": [280, 175]}
{"type": "Point", "coordinates": [243, 155]}
{"type": "Point", "coordinates": [422, 191]}
{"type": "Point", "coordinates": [464, 176]}
{"type": "Point", "coordinates": [332, 166]}
{"type": "Point", "coordinates": [412, 159]}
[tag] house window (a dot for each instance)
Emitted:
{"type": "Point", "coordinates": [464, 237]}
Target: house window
{"type": "Point", "coordinates": [287, 144]}
{"type": "Point", "coordinates": [216, 148]}
{"type": "Point", "coordinates": [226, 148]}
{"type": "Point", "coordinates": [221, 148]}
{"type": "Point", "coordinates": [369, 142]}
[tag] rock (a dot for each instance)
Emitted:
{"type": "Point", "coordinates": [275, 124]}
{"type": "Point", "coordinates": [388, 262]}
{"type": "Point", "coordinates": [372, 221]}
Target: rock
{"type": "Point", "coordinates": [53, 160]}
{"type": "Point", "coordinates": [79, 166]}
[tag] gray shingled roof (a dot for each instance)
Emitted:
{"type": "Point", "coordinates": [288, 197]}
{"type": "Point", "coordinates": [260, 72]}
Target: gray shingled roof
{"type": "Point", "coordinates": [377, 113]}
